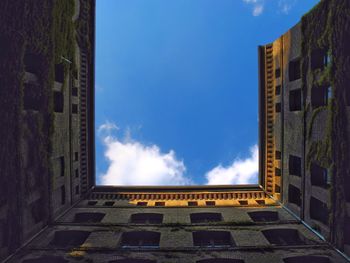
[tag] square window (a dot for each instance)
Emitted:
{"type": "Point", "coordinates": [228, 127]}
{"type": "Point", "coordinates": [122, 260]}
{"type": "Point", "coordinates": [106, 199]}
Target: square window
{"type": "Point", "coordinates": [294, 165]}
{"type": "Point", "coordinates": [92, 203]}
{"type": "Point", "coordinates": [278, 155]}
{"type": "Point", "coordinates": [278, 73]}
{"type": "Point", "coordinates": [74, 91]}
{"type": "Point", "coordinates": [210, 203]}
{"type": "Point", "coordinates": [295, 100]}
{"type": "Point", "coordinates": [243, 202]}
{"type": "Point", "coordinates": [74, 108]}
{"type": "Point", "coordinates": [278, 90]}
{"type": "Point", "coordinates": [294, 70]}
{"type": "Point", "coordinates": [278, 107]}
{"type": "Point", "coordinates": [58, 101]}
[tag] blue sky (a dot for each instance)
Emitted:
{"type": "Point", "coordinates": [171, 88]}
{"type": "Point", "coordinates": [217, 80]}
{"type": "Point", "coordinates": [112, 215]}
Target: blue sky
{"type": "Point", "coordinates": [177, 86]}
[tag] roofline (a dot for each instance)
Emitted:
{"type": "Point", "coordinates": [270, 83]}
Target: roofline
{"type": "Point", "coordinates": [214, 188]}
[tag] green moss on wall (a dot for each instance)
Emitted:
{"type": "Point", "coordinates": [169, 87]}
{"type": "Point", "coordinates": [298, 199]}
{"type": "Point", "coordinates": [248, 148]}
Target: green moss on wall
{"type": "Point", "coordinates": [327, 27]}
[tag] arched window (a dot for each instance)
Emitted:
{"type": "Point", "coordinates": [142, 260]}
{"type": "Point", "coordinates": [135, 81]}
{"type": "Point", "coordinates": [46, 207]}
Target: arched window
{"type": "Point", "coordinates": [284, 236]}
{"type": "Point", "coordinates": [45, 259]}
{"type": "Point", "coordinates": [67, 238]}
{"type": "Point", "coordinates": [146, 218]}
{"type": "Point", "coordinates": [132, 260]}
{"type": "Point", "coordinates": [205, 217]}
{"type": "Point", "coordinates": [88, 217]}
{"type": "Point", "coordinates": [308, 259]}
{"type": "Point", "coordinates": [263, 216]}
{"type": "Point", "coordinates": [140, 239]}
{"type": "Point", "coordinates": [212, 239]}
{"type": "Point", "coordinates": [220, 260]}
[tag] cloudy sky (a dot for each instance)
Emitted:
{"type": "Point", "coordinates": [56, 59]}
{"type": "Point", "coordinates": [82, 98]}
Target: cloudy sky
{"type": "Point", "coordinates": [177, 87]}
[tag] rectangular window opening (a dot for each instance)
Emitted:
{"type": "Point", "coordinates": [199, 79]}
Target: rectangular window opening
{"type": "Point", "coordinates": [294, 165]}
{"type": "Point", "coordinates": [319, 210]}
{"type": "Point", "coordinates": [294, 70]}
{"type": "Point", "coordinates": [319, 176]}
{"type": "Point", "coordinates": [294, 195]}
{"type": "Point", "coordinates": [295, 103]}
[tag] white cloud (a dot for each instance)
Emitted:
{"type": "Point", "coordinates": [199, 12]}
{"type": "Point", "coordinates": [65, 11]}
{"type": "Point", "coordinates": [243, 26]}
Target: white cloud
{"type": "Point", "coordinates": [285, 6]}
{"type": "Point", "coordinates": [258, 6]}
{"type": "Point", "coordinates": [133, 163]}
{"type": "Point", "coordinates": [107, 127]}
{"type": "Point", "coordinates": [239, 172]}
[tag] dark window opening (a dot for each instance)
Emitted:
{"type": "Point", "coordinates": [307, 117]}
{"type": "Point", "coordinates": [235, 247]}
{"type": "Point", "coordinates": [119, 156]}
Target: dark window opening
{"type": "Point", "coordinates": [277, 172]}
{"type": "Point", "coordinates": [243, 202]}
{"type": "Point", "coordinates": [108, 203]}
{"type": "Point", "coordinates": [278, 107]}
{"type": "Point", "coordinates": [308, 259]}
{"type": "Point", "coordinates": [142, 203]}
{"type": "Point", "coordinates": [74, 91]}
{"type": "Point", "coordinates": [88, 217]}
{"type": "Point", "coordinates": [92, 202]}
{"type": "Point", "coordinates": [220, 260]}
{"type": "Point", "coordinates": [77, 190]}
{"type": "Point", "coordinates": [59, 73]}
{"type": "Point", "coordinates": [260, 202]}
{"type": "Point", "coordinates": [347, 186]}
{"type": "Point", "coordinates": [140, 239]}
{"type": "Point", "coordinates": [320, 96]}
{"type": "Point", "coordinates": [263, 216]}
{"type": "Point", "coordinates": [74, 108]}
{"type": "Point", "coordinates": [278, 90]}
{"type": "Point", "coordinates": [278, 155]}
{"type": "Point", "coordinates": [210, 203]}
{"type": "Point", "coordinates": [205, 217]}
{"type": "Point", "coordinates": [46, 259]}
{"type": "Point", "coordinates": [4, 234]}
{"type": "Point", "coordinates": [295, 100]}
{"type": "Point", "coordinates": [32, 98]}
{"type": "Point", "coordinates": [67, 238]}
{"type": "Point", "coordinates": [294, 195]}
{"type": "Point", "coordinates": [294, 70]}
{"type": "Point", "coordinates": [192, 203]}
{"type": "Point", "coordinates": [278, 73]}
{"type": "Point", "coordinates": [38, 211]}
{"type": "Point", "coordinates": [146, 218]}
{"type": "Point", "coordinates": [319, 59]}
{"type": "Point", "coordinates": [133, 260]}
{"type": "Point", "coordinates": [212, 238]}
{"type": "Point", "coordinates": [63, 195]}
{"type": "Point", "coordinates": [277, 189]}
{"type": "Point", "coordinates": [62, 166]}
{"type": "Point", "coordinates": [58, 101]}
{"type": "Point", "coordinates": [76, 173]}
{"type": "Point", "coordinates": [347, 98]}
{"type": "Point", "coordinates": [159, 203]}
{"type": "Point", "coordinates": [76, 156]}
{"type": "Point", "coordinates": [319, 176]}
{"type": "Point", "coordinates": [318, 210]}
{"type": "Point", "coordinates": [283, 236]}
{"type": "Point", "coordinates": [294, 165]}
{"type": "Point", "coordinates": [347, 231]}
{"type": "Point", "coordinates": [33, 63]}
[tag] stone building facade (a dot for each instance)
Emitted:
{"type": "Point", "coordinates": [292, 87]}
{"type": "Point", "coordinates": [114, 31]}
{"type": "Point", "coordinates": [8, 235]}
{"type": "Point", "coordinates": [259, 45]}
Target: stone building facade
{"type": "Point", "coordinates": [304, 117]}
{"type": "Point", "coordinates": [51, 210]}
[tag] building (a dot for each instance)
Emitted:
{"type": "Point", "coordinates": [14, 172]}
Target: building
{"type": "Point", "coordinates": [304, 129]}
{"type": "Point", "coordinates": [51, 210]}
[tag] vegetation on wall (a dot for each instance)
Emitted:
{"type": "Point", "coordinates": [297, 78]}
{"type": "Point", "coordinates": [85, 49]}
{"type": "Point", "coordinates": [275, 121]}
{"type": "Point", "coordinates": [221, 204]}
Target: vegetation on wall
{"type": "Point", "coordinates": [327, 27]}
